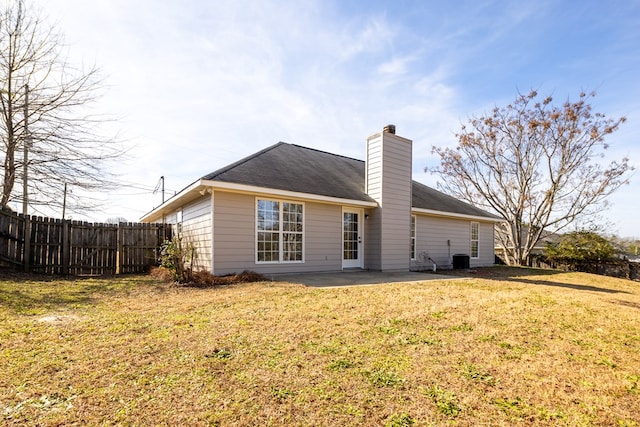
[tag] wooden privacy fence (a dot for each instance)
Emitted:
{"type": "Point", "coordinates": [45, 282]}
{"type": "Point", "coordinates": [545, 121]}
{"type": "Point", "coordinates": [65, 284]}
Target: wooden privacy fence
{"type": "Point", "coordinates": [55, 246]}
{"type": "Point", "coordinates": [613, 268]}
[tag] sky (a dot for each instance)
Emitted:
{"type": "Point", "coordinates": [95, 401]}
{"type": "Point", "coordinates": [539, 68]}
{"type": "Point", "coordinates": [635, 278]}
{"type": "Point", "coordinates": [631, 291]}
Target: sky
{"type": "Point", "coordinates": [198, 84]}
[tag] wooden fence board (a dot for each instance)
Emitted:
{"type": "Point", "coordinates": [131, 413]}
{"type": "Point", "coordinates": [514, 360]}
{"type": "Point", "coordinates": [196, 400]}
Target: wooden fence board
{"type": "Point", "coordinates": [11, 237]}
{"type": "Point", "coordinates": [54, 246]}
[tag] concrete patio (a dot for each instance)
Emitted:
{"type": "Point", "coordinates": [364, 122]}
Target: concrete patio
{"type": "Point", "coordinates": [357, 278]}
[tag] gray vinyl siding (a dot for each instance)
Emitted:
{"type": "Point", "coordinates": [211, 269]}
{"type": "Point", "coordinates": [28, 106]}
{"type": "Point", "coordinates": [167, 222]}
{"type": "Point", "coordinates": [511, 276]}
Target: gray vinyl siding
{"type": "Point", "coordinates": [323, 237]}
{"type": "Point", "coordinates": [235, 237]}
{"type": "Point", "coordinates": [196, 229]}
{"type": "Point", "coordinates": [389, 183]}
{"type": "Point", "coordinates": [486, 246]}
{"type": "Point", "coordinates": [373, 181]}
{"type": "Point", "coordinates": [440, 238]}
{"type": "Point", "coordinates": [234, 231]}
{"type": "Point", "coordinates": [374, 169]}
{"type": "Point", "coordinates": [372, 249]}
{"type": "Point", "coordinates": [170, 219]}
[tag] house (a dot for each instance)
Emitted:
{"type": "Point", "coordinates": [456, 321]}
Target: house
{"type": "Point", "coordinates": [504, 247]}
{"type": "Point", "coordinates": [290, 209]}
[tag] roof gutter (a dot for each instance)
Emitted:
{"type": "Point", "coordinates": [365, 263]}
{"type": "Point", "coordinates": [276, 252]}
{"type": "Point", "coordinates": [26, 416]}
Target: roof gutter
{"type": "Point", "coordinates": [199, 187]}
{"type": "Point", "coordinates": [172, 203]}
{"type": "Point", "coordinates": [243, 188]}
{"type": "Point", "coordinates": [456, 215]}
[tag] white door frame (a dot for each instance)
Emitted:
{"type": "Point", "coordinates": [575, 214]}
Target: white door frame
{"type": "Point", "coordinates": [359, 249]}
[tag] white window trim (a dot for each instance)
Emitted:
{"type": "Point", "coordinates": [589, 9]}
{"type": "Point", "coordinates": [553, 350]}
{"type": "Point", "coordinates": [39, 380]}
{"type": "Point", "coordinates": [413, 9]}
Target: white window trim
{"type": "Point", "coordinates": [471, 240]}
{"type": "Point", "coordinates": [361, 246]}
{"type": "Point", "coordinates": [414, 238]}
{"type": "Point", "coordinates": [280, 245]}
{"type": "Point", "coordinates": [179, 221]}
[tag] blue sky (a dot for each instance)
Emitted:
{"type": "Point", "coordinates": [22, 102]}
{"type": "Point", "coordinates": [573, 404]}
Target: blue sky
{"type": "Point", "coordinates": [200, 84]}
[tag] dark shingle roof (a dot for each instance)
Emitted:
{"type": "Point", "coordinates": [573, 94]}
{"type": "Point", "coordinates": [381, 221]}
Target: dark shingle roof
{"type": "Point", "coordinates": [294, 168]}
{"type": "Point", "coordinates": [425, 197]}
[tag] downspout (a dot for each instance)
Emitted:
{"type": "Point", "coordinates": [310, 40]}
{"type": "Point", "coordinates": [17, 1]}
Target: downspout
{"type": "Point", "coordinates": [434, 267]}
{"type": "Point", "coordinates": [213, 234]}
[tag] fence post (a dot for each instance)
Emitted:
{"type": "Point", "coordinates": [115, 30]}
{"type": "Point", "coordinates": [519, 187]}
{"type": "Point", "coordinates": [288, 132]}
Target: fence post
{"type": "Point", "coordinates": [27, 244]}
{"type": "Point", "coordinates": [119, 248]}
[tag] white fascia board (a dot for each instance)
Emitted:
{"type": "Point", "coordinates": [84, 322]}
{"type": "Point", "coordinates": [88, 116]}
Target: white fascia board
{"type": "Point", "coordinates": [251, 189]}
{"type": "Point", "coordinates": [187, 194]}
{"type": "Point", "coordinates": [174, 202]}
{"type": "Point", "coordinates": [455, 215]}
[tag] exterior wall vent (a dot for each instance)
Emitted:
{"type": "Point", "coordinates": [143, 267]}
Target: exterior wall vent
{"type": "Point", "coordinates": [390, 129]}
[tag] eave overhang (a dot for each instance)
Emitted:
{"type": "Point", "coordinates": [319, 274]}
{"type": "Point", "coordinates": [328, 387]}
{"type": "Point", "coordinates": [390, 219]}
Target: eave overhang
{"type": "Point", "coordinates": [201, 187]}
{"type": "Point", "coordinates": [442, 214]}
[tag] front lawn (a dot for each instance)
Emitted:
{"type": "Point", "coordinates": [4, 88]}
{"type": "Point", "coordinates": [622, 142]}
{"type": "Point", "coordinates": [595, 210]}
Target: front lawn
{"type": "Point", "coordinates": [503, 347]}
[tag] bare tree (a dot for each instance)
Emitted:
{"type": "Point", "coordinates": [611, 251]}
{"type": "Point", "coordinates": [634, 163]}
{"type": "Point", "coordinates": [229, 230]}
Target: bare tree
{"type": "Point", "coordinates": [116, 220]}
{"type": "Point", "coordinates": [45, 119]}
{"type": "Point", "coordinates": [534, 164]}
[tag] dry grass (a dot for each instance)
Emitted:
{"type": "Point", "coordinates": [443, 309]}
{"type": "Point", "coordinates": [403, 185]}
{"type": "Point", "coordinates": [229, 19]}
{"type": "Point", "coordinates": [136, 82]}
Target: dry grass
{"type": "Point", "coordinates": [505, 347]}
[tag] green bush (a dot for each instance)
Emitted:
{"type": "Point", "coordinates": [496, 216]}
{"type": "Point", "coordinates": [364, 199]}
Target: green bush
{"type": "Point", "coordinates": [579, 247]}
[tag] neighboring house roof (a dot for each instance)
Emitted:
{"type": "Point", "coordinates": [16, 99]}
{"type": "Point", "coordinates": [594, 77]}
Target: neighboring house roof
{"type": "Point", "coordinates": [294, 168]}
{"type": "Point", "coordinates": [547, 237]}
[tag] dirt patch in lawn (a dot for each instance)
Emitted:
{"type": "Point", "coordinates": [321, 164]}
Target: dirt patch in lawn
{"type": "Point", "coordinates": [59, 319]}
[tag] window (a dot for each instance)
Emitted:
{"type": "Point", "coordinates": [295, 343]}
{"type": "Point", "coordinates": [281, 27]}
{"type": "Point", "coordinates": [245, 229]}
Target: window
{"type": "Point", "coordinates": [279, 231]}
{"type": "Point", "coordinates": [179, 221]}
{"type": "Point", "coordinates": [475, 240]}
{"type": "Point", "coordinates": [413, 237]}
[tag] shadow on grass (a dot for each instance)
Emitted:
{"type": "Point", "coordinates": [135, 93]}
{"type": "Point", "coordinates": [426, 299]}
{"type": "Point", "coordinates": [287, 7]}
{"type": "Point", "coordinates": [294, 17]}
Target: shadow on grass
{"type": "Point", "coordinates": [34, 301]}
{"type": "Point", "coordinates": [569, 286]}
{"type": "Point", "coordinates": [520, 274]}
{"type": "Point", "coordinates": [626, 303]}
{"type": "Point", "coordinates": [31, 293]}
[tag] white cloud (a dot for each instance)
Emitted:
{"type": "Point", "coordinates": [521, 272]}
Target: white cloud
{"type": "Point", "coordinates": [396, 66]}
{"type": "Point", "coordinates": [372, 36]}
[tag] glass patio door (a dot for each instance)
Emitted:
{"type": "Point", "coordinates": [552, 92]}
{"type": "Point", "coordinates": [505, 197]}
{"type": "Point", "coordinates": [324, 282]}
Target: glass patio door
{"type": "Point", "coordinates": [352, 239]}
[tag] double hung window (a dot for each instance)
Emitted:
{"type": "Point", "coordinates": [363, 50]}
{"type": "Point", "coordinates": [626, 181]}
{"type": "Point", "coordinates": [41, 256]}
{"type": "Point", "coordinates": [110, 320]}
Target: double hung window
{"type": "Point", "coordinates": [475, 240]}
{"type": "Point", "coordinates": [413, 237]}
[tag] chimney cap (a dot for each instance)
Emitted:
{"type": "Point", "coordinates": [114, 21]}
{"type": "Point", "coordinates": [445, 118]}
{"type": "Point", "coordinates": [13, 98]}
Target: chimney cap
{"type": "Point", "coordinates": [390, 129]}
